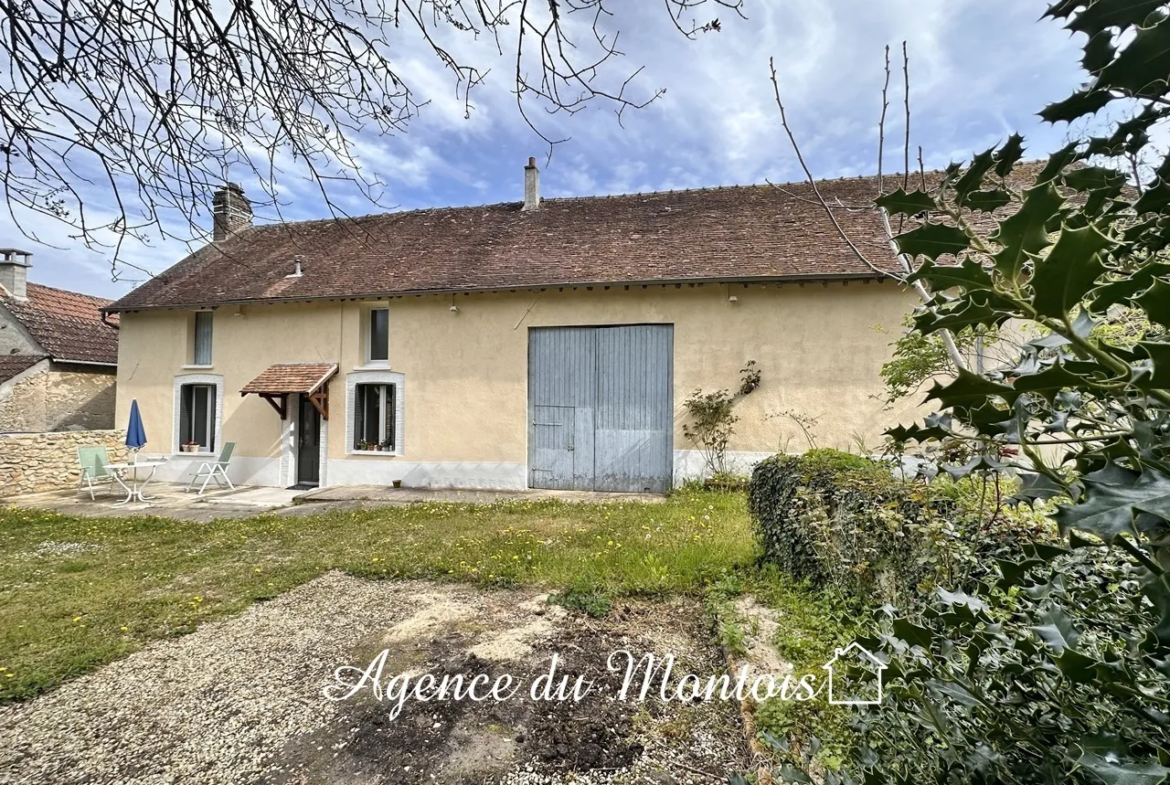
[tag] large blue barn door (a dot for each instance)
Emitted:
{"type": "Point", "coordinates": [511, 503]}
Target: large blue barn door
{"type": "Point", "coordinates": [600, 408]}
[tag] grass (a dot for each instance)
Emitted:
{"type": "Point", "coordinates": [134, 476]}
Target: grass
{"type": "Point", "coordinates": [134, 580]}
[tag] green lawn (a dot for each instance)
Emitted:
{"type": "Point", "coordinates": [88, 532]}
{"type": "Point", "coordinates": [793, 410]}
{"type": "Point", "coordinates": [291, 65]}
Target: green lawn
{"type": "Point", "coordinates": [78, 592]}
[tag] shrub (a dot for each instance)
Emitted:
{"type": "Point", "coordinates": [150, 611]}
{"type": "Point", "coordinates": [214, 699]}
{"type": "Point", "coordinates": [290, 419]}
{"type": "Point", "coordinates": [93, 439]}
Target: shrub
{"type": "Point", "coordinates": [1043, 676]}
{"type": "Point", "coordinates": [845, 521]}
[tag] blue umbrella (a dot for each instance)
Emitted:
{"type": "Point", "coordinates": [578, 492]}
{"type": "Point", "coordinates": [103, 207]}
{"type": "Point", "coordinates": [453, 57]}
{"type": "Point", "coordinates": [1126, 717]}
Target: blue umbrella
{"type": "Point", "coordinates": [135, 433]}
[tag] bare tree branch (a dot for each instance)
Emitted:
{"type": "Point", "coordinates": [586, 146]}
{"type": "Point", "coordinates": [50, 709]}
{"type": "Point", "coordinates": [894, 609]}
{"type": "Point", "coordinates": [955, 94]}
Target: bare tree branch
{"type": "Point", "coordinates": [905, 262]}
{"type": "Point", "coordinates": [151, 104]}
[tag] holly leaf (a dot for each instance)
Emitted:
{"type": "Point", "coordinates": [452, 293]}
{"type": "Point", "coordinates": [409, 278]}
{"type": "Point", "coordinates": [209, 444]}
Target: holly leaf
{"type": "Point", "coordinates": [970, 276]}
{"type": "Point", "coordinates": [932, 241]}
{"type": "Point", "coordinates": [1156, 302]}
{"type": "Point", "coordinates": [1112, 498]}
{"type": "Point", "coordinates": [969, 389]}
{"type": "Point", "coordinates": [902, 203]}
{"type": "Point", "coordinates": [1101, 15]}
{"type": "Point", "coordinates": [1058, 631]}
{"type": "Point", "coordinates": [1066, 275]}
{"type": "Point", "coordinates": [1058, 162]}
{"type": "Point", "coordinates": [1009, 155]}
{"type": "Point", "coordinates": [1025, 231]}
{"type": "Point", "coordinates": [972, 179]}
{"type": "Point", "coordinates": [912, 633]}
{"type": "Point", "coordinates": [1049, 382]}
{"type": "Point", "coordinates": [1159, 354]}
{"type": "Point", "coordinates": [1076, 106]}
{"type": "Point", "coordinates": [1144, 62]}
{"type": "Point", "coordinates": [988, 201]}
{"type": "Point", "coordinates": [1113, 770]}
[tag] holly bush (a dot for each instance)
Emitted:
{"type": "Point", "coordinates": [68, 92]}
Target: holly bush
{"type": "Point", "coordinates": [1056, 668]}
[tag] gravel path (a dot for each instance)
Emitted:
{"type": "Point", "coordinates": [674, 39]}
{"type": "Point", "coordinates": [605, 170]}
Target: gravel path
{"type": "Point", "coordinates": [239, 700]}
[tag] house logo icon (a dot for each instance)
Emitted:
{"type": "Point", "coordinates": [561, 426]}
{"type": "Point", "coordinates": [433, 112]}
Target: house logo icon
{"type": "Point", "coordinates": [845, 688]}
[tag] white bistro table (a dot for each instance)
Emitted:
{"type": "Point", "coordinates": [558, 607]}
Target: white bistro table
{"type": "Point", "coordinates": [135, 489]}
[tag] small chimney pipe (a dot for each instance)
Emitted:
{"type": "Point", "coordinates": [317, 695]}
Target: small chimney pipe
{"type": "Point", "coordinates": [531, 186]}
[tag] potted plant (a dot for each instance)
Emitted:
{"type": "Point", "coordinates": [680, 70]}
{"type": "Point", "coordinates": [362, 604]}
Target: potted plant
{"type": "Point", "coordinates": [387, 445]}
{"type": "Point", "coordinates": [190, 446]}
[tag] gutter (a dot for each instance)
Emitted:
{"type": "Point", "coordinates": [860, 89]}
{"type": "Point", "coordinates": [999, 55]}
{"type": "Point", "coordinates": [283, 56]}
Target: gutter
{"type": "Point", "coordinates": [778, 279]}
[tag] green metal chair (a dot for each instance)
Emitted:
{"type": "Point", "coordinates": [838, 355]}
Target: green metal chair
{"type": "Point", "coordinates": [93, 462]}
{"type": "Point", "coordinates": [214, 470]}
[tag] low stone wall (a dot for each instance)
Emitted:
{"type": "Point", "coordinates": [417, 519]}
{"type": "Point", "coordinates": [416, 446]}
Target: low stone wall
{"type": "Point", "coordinates": [32, 462]}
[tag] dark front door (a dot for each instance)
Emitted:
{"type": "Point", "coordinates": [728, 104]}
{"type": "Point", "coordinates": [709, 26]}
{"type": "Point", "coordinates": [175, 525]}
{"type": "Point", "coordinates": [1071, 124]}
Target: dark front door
{"type": "Point", "coordinates": [308, 444]}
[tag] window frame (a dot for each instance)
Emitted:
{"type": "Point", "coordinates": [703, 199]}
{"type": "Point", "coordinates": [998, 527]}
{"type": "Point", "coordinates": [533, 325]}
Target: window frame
{"type": "Point", "coordinates": [216, 425]}
{"type": "Point", "coordinates": [385, 378]}
{"type": "Point", "coordinates": [207, 317]}
{"type": "Point", "coordinates": [368, 337]}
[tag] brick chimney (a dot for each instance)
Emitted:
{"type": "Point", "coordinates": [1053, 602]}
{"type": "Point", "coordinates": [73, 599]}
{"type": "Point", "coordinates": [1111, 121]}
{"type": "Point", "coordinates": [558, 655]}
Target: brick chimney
{"type": "Point", "coordinates": [531, 186]}
{"type": "Point", "coordinates": [14, 266]}
{"type": "Point", "coordinates": [230, 210]}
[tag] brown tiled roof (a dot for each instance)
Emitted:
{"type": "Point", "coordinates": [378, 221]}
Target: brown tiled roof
{"type": "Point", "coordinates": [750, 232]}
{"type": "Point", "coordinates": [291, 378]}
{"type": "Point", "coordinates": [12, 364]}
{"type": "Point", "coordinates": [67, 325]}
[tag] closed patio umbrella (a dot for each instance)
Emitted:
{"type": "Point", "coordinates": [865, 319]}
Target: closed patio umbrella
{"type": "Point", "coordinates": [135, 433]}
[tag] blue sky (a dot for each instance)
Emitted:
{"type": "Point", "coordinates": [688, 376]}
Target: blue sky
{"type": "Point", "coordinates": [980, 69]}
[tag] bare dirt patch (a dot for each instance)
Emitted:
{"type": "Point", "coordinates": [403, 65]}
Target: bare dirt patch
{"type": "Point", "coordinates": [241, 700]}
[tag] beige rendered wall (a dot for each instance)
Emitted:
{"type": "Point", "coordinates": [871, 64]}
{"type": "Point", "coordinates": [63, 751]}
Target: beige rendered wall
{"type": "Point", "coordinates": [819, 348]}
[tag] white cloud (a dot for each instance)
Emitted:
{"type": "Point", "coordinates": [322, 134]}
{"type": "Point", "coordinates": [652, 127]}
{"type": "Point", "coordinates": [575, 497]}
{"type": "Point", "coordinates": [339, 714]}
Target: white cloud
{"type": "Point", "coordinates": [979, 70]}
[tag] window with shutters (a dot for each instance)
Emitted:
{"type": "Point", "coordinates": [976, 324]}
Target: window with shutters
{"type": "Point", "coordinates": [198, 413]}
{"type": "Point", "coordinates": [197, 407]}
{"type": "Point", "coordinates": [201, 341]}
{"type": "Point", "coordinates": [374, 407]}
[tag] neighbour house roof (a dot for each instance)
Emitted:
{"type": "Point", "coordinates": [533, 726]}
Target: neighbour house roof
{"type": "Point", "coordinates": [726, 234]}
{"type": "Point", "coordinates": [291, 378]}
{"type": "Point", "coordinates": [68, 326]}
{"type": "Point", "coordinates": [13, 364]}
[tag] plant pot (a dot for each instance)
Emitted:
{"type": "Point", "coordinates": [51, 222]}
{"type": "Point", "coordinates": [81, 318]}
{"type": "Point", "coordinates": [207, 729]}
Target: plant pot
{"type": "Point", "coordinates": [398, 483]}
{"type": "Point", "coordinates": [190, 448]}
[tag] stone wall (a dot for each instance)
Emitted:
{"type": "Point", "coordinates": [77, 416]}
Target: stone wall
{"type": "Point", "coordinates": [61, 398]}
{"type": "Point", "coordinates": [32, 462]}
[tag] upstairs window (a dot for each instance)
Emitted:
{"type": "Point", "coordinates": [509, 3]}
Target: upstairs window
{"type": "Point", "coordinates": [197, 416]}
{"type": "Point", "coordinates": [378, 336]}
{"type": "Point", "coordinates": [374, 413]}
{"type": "Point", "coordinates": [202, 344]}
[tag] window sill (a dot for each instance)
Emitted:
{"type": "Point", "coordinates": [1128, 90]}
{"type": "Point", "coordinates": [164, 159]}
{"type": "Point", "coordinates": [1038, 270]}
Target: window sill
{"type": "Point", "coordinates": [375, 365]}
{"type": "Point", "coordinates": [381, 453]}
{"type": "Point", "coordinates": [193, 455]}
{"type": "Point", "coordinates": [196, 367]}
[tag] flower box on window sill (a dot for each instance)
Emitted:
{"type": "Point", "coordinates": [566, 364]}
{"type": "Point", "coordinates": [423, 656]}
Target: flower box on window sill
{"type": "Point", "coordinates": [388, 453]}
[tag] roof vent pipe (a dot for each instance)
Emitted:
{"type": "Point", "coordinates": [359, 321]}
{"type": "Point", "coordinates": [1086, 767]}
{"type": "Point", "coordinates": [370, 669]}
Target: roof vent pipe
{"type": "Point", "coordinates": [531, 186]}
{"type": "Point", "coordinates": [297, 272]}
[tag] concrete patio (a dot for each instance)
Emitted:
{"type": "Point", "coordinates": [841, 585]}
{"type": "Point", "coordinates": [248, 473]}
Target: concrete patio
{"type": "Point", "coordinates": [172, 500]}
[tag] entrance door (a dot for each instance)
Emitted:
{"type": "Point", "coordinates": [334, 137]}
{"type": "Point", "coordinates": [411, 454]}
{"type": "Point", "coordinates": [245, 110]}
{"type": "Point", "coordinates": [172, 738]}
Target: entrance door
{"type": "Point", "coordinates": [308, 443]}
{"type": "Point", "coordinates": [600, 407]}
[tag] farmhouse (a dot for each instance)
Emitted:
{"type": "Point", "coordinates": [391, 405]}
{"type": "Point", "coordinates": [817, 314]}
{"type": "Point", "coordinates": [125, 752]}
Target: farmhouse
{"type": "Point", "coordinates": [58, 354]}
{"type": "Point", "coordinates": [549, 343]}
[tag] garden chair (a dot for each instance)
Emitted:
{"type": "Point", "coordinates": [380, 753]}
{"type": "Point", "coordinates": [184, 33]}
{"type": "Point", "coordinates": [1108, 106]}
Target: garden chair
{"type": "Point", "coordinates": [214, 470]}
{"type": "Point", "coordinates": [93, 462]}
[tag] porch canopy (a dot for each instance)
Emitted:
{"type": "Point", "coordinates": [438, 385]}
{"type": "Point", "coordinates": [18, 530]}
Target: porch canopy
{"type": "Point", "coordinates": [278, 381]}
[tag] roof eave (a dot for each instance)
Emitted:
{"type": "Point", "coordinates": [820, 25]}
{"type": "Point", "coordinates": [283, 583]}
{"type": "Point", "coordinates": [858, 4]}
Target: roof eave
{"type": "Point", "coordinates": [754, 279]}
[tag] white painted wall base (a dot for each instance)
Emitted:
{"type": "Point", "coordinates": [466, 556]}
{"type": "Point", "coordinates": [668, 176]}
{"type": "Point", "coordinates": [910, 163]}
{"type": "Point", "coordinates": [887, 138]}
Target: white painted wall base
{"type": "Point", "coordinates": [242, 471]}
{"type": "Point", "coordinates": [689, 464]}
{"type": "Point", "coordinates": [504, 476]}
{"type": "Point", "coordinates": [276, 472]}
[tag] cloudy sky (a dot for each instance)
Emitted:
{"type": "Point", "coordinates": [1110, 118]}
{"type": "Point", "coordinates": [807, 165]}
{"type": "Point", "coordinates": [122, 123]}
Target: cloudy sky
{"type": "Point", "coordinates": [980, 70]}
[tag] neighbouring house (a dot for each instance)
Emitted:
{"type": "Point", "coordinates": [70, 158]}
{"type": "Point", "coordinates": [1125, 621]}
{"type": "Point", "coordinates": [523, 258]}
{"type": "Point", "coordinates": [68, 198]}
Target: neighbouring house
{"type": "Point", "coordinates": [58, 354]}
{"type": "Point", "coordinates": [545, 343]}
